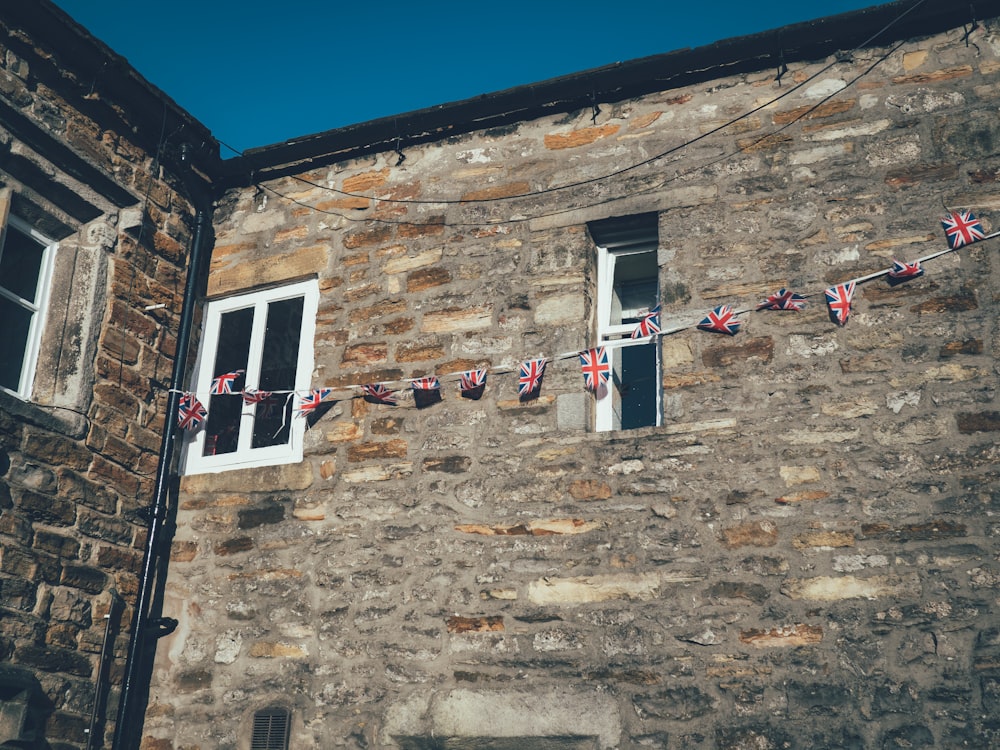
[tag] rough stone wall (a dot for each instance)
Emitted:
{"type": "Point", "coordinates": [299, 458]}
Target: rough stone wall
{"type": "Point", "coordinates": [78, 459]}
{"type": "Point", "coordinates": [803, 555]}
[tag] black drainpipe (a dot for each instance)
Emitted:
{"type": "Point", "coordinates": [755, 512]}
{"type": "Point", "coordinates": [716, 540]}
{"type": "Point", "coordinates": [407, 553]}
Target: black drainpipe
{"type": "Point", "coordinates": [146, 630]}
{"type": "Point", "coordinates": [95, 734]}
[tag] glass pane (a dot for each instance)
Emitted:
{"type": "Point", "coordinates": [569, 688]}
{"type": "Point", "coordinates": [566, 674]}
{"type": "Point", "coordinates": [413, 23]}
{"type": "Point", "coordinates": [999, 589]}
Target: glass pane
{"type": "Point", "coordinates": [635, 286]}
{"type": "Point", "coordinates": [279, 363]}
{"type": "Point", "coordinates": [635, 374]}
{"type": "Point", "coordinates": [16, 323]}
{"type": "Point", "coordinates": [222, 432]}
{"type": "Point", "coordinates": [20, 264]}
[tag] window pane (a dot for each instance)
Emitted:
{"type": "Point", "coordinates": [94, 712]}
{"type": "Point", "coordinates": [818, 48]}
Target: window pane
{"type": "Point", "coordinates": [16, 323]}
{"type": "Point", "coordinates": [635, 286]}
{"type": "Point", "coordinates": [636, 386]}
{"type": "Point", "coordinates": [222, 431]}
{"type": "Point", "coordinates": [20, 264]}
{"type": "Point", "coordinates": [277, 371]}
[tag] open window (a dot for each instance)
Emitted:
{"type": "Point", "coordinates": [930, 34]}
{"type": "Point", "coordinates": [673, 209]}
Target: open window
{"type": "Point", "coordinates": [26, 260]}
{"type": "Point", "coordinates": [627, 288]}
{"type": "Point", "coordinates": [263, 342]}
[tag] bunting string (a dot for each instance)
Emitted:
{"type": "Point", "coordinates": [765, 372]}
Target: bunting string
{"type": "Point", "coordinates": [961, 230]}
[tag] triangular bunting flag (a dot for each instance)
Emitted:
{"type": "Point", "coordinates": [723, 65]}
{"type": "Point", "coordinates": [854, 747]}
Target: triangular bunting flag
{"type": "Point", "coordinates": [377, 393]}
{"type": "Point", "coordinates": [251, 396]}
{"type": "Point", "coordinates": [649, 325]}
{"type": "Point", "coordinates": [191, 414]}
{"type": "Point", "coordinates": [426, 384]}
{"type": "Point", "coordinates": [962, 228]}
{"type": "Point", "coordinates": [472, 379]}
{"type": "Point", "coordinates": [721, 320]}
{"type": "Point", "coordinates": [225, 383]}
{"type": "Point", "coordinates": [426, 391]}
{"type": "Point", "coordinates": [783, 299]}
{"type": "Point", "coordinates": [596, 368]}
{"type": "Point", "coordinates": [310, 402]}
{"type": "Point", "coordinates": [530, 376]}
{"type": "Point", "coordinates": [901, 272]}
{"type": "Point", "coordinates": [839, 299]}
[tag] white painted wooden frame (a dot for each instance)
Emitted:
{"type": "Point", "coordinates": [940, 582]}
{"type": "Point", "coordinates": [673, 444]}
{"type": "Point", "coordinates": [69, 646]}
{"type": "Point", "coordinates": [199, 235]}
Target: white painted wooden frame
{"type": "Point", "coordinates": [245, 456]}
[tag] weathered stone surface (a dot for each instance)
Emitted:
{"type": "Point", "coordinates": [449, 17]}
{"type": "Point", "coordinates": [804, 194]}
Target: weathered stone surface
{"type": "Point", "coordinates": [835, 588]}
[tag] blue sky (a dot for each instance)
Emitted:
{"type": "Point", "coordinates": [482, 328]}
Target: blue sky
{"type": "Point", "coordinates": [258, 73]}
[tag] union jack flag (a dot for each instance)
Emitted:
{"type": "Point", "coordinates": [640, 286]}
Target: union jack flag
{"type": "Point", "coordinates": [310, 402]}
{"type": "Point", "coordinates": [430, 383]}
{"type": "Point", "coordinates": [839, 299]}
{"type": "Point", "coordinates": [379, 393]}
{"type": "Point", "coordinates": [596, 368]}
{"type": "Point", "coordinates": [901, 272]}
{"type": "Point", "coordinates": [783, 299]}
{"type": "Point", "coordinates": [962, 228]}
{"type": "Point", "coordinates": [190, 412]}
{"type": "Point", "coordinates": [225, 383]}
{"type": "Point", "coordinates": [530, 377]}
{"type": "Point", "coordinates": [252, 396]}
{"type": "Point", "coordinates": [649, 325]}
{"type": "Point", "coordinates": [721, 320]}
{"type": "Point", "coordinates": [472, 379]}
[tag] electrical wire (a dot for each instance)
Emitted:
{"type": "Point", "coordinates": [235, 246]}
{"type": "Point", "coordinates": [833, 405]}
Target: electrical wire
{"type": "Point", "coordinates": [615, 173]}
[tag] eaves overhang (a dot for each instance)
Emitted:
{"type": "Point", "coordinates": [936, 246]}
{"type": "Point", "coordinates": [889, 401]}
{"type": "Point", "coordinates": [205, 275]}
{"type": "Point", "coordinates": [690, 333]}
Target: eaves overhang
{"type": "Point", "coordinates": [880, 25]}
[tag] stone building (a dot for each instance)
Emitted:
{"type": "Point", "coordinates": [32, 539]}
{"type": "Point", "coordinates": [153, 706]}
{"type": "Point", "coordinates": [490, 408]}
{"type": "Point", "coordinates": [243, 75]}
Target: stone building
{"type": "Point", "coordinates": [97, 215]}
{"type": "Point", "coordinates": [782, 538]}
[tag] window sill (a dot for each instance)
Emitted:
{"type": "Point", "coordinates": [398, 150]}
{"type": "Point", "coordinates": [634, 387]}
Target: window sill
{"type": "Point", "coordinates": [56, 419]}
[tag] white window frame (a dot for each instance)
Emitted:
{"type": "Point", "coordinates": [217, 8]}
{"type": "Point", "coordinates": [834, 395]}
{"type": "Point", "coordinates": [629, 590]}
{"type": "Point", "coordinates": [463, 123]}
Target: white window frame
{"type": "Point", "coordinates": [245, 456]}
{"type": "Point", "coordinates": [614, 336]}
{"type": "Point", "coordinates": [38, 308]}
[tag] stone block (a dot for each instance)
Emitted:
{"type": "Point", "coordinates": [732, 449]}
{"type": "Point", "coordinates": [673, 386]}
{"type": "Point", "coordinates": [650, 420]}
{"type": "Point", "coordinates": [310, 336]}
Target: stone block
{"type": "Point", "coordinates": [788, 636]}
{"type": "Point", "coordinates": [984, 421]}
{"type": "Point", "coordinates": [564, 308]}
{"type": "Point", "coordinates": [272, 269]}
{"type": "Point", "coordinates": [754, 534]}
{"type": "Point", "coordinates": [417, 351]}
{"type": "Point", "coordinates": [427, 278]}
{"type": "Point", "coordinates": [581, 137]}
{"type": "Point", "coordinates": [602, 588]}
{"type": "Point", "coordinates": [836, 588]}
{"type": "Point", "coordinates": [589, 489]}
{"type": "Point", "coordinates": [459, 624]}
{"type": "Point", "coordinates": [386, 449]}
{"type": "Point", "coordinates": [458, 320]}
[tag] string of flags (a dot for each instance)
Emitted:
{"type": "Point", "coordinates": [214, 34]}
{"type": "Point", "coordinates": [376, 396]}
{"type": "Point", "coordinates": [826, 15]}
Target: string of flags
{"type": "Point", "coordinates": [961, 228]}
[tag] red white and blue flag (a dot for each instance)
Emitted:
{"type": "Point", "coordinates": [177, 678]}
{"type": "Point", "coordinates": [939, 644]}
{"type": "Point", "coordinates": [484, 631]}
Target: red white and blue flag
{"type": "Point", "coordinates": [251, 396]}
{"type": "Point", "coordinates": [430, 383]}
{"type": "Point", "coordinates": [310, 402]}
{"type": "Point", "coordinates": [530, 376]}
{"type": "Point", "coordinates": [783, 299]}
{"type": "Point", "coordinates": [901, 272]}
{"type": "Point", "coordinates": [839, 299]}
{"type": "Point", "coordinates": [378, 393]}
{"type": "Point", "coordinates": [721, 320]}
{"type": "Point", "coordinates": [191, 414]}
{"type": "Point", "coordinates": [225, 383]}
{"type": "Point", "coordinates": [962, 228]}
{"type": "Point", "coordinates": [649, 325]}
{"type": "Point", "coordinates": [472, 379]}
{"type": "Point", "coordinates": [596, 368]}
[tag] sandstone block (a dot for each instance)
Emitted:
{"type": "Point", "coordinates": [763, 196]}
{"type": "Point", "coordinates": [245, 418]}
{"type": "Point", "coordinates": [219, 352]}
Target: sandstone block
{"type": "Point", "coordinates": [387, 449]}
{"type": "Point", "coordinates": [831, 588]}
{"type": "Point", "coordinates": [458, 319]}
{"type": "Point", "coordinates": [459, 624]}
{"type": "Point", "coordinates": [789, 636]}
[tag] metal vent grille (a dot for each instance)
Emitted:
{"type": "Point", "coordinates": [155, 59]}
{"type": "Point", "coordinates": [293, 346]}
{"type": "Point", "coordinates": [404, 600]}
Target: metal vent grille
{"type": "Point", "coordinates": [270, 729]}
